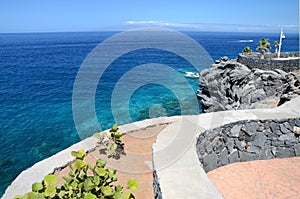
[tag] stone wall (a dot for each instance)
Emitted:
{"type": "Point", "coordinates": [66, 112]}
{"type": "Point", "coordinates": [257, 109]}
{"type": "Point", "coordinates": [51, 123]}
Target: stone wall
{"type": "Point", "coordinates": [249, 140]}
{"type": "Point", "coordinates": [270, 62]}
{"type": "Point", "coordinates": [156, 186]}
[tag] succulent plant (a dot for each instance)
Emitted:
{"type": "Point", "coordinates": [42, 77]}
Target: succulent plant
{"type": "Point", "coordinates": [111, 141]}
{"type": "Point", "coordinates": [81, 184]}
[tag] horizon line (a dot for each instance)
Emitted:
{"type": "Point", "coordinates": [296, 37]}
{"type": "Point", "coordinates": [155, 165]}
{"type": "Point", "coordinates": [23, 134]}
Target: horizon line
{"type": "Point", "coordinates": [122, 30]}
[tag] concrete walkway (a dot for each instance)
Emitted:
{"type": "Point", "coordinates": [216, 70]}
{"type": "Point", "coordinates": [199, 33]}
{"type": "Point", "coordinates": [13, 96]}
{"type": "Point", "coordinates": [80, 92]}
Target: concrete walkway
{"type": "Point", "coordinates": [179, 172]}
{"type": "Point", "coordinates": [175, 160]}
{"type": "Point", "coordinates": [178, 168]}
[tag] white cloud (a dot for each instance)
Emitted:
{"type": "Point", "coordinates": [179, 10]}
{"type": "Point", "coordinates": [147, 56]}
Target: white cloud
{"type": "Point", "coordinates": [161, 23]}
{"type": "Point", "coordinates": [289, 26]}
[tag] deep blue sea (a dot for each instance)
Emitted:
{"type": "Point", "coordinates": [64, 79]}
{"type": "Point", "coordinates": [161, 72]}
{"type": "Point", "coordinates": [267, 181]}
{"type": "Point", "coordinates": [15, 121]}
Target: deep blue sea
{"type": "Point", "coordinates": [37, 74]}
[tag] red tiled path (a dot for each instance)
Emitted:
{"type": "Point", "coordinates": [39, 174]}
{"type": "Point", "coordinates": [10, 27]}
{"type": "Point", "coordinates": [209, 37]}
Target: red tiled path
{"type": "Point", "coordinates": [140, 142]}
{"type": "Point", "coordinates": [274, 179]}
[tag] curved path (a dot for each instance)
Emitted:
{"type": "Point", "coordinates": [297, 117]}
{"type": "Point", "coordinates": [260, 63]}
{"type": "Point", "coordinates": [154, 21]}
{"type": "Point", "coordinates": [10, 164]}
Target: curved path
{"type": "Point", "coordinates": [192, 182]}
{"type": "Point", "coordinates": [174, 157]}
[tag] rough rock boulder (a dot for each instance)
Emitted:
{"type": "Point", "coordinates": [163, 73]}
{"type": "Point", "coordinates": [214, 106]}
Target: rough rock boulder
{"type": "Point", "coordinates": [228, 84]}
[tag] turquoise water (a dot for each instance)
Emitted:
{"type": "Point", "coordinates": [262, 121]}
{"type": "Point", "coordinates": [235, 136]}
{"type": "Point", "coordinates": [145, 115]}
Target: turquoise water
{"type": "Point", "coordinates": [38, 72]}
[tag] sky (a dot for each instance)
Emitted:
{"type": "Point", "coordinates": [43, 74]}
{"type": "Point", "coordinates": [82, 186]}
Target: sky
{"type": "Point", "coordinates": [105, 15]}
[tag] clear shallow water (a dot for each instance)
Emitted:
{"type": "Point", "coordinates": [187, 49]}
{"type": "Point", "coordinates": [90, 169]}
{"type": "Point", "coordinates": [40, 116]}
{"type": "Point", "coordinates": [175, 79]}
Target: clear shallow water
{"type": "Point", "coordinates": [36, 83]}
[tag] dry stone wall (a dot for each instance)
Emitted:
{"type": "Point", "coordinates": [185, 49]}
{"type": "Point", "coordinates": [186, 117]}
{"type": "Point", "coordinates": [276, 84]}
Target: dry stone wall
{"type": "Point", "coordinates": [156, 186]}
{"type": "Point", "coordinates": [249, 140]}
{"type": "Point", "coordinates": [270, 62]}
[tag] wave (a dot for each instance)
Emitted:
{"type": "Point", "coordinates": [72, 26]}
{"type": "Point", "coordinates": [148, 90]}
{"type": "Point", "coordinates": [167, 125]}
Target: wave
{"type": "Point", "coordinates": [245, 41]}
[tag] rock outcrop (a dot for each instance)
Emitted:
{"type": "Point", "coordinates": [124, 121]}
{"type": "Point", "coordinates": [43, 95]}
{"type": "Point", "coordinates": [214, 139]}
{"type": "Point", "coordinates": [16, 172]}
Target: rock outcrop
{"type": "Point", "coordinates": [228, 84]}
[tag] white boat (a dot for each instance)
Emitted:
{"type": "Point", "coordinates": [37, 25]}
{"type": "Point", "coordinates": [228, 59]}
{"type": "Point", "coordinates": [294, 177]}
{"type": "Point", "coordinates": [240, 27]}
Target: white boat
{"type": "Point", "coordinates": [191, 75]}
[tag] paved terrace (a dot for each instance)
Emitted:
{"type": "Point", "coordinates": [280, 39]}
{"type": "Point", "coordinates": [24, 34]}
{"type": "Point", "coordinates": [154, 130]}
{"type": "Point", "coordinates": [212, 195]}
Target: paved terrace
{"type": "Point", "coordinates": [179, 172]}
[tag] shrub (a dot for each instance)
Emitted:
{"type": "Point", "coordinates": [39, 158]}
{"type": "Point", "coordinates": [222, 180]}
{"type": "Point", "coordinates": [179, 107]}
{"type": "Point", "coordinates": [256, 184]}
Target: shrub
{"type": "Point", "coordinates": [111, 141]}
{"type": "Point", "coordinates": [84, 181]}
{"type": "Point", "coordinates": [247, 50]}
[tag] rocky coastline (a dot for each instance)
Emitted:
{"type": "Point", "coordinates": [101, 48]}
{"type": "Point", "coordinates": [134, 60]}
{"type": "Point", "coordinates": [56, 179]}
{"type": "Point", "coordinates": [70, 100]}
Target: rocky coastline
{"type": "Point", "coordinates": [231, 85]}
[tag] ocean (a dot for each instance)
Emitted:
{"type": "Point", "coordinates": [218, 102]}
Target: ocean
{"type": "Point", "coordinates": [38, 72]}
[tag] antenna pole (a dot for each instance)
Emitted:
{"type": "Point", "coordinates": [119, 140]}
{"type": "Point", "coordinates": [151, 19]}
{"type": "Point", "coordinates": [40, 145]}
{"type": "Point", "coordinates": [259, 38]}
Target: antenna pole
{"type": "Point", "coordinates": [280, 43]}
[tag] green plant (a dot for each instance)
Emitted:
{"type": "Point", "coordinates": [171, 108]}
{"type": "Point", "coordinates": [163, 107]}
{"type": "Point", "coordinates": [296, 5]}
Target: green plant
{"type": "Point", "coordinates": [276, 44]}
{"type": "Point", "coordinates": [247, 50]}
{"type": "Point", "coordinates": [264, 45]}
{"type": "Point", "coordinates": [113, 145]}
{"type": "Point", "coordinates": [84, 181]}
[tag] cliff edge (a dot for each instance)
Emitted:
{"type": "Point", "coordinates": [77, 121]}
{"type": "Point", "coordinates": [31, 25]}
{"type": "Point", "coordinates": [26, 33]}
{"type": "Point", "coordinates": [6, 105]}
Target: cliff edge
{"type": "Point", "coordinates": [230, 85]}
